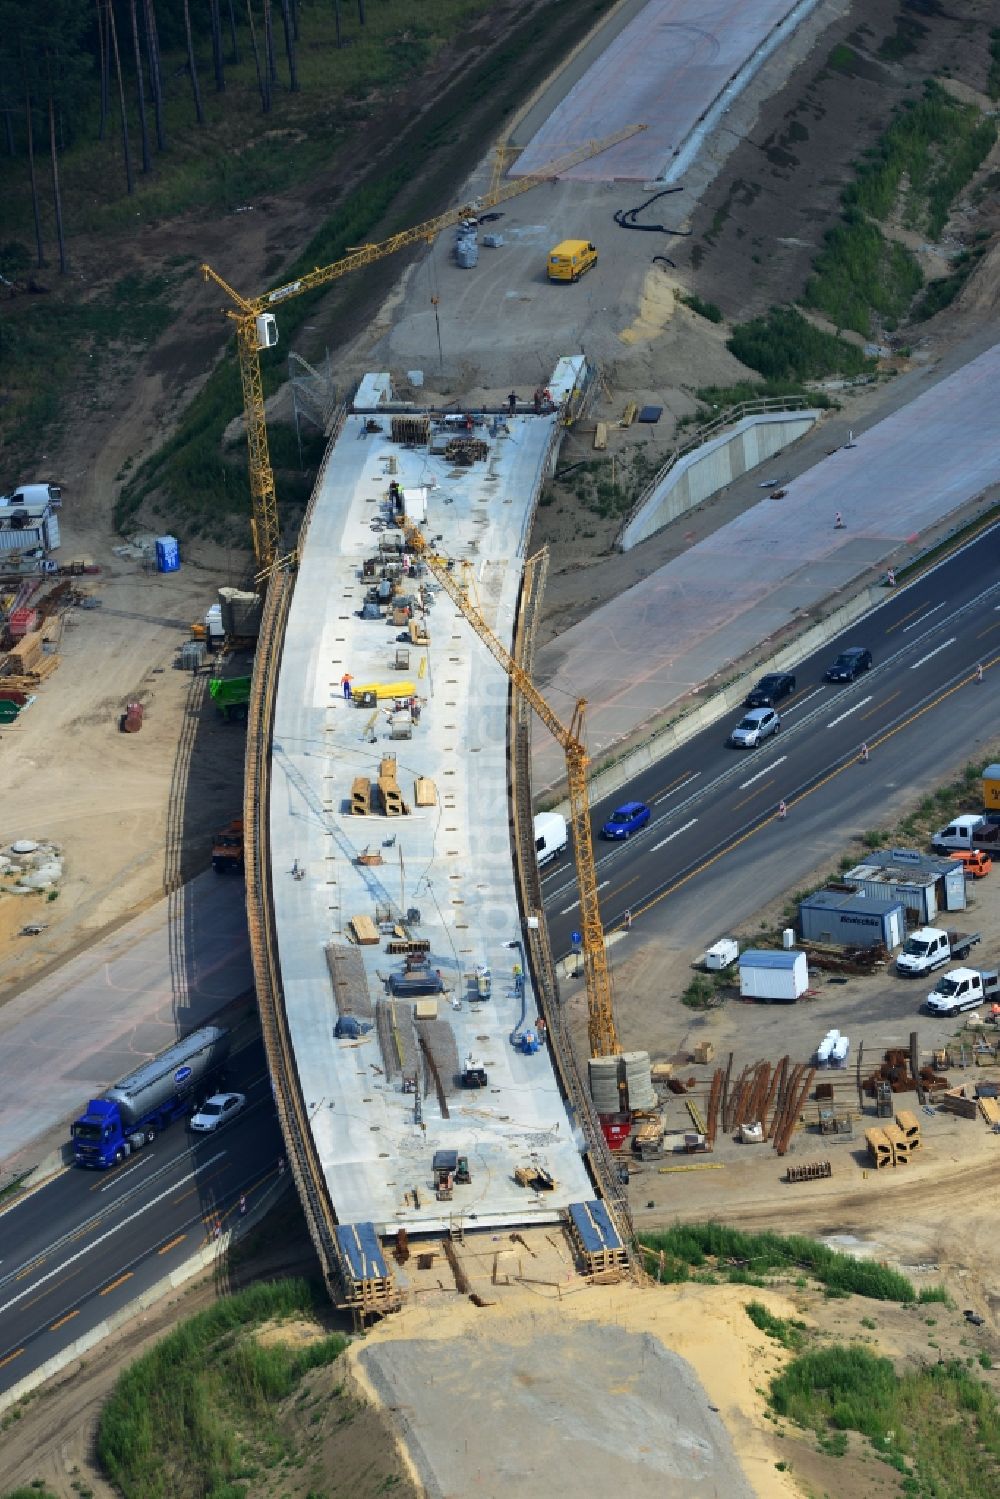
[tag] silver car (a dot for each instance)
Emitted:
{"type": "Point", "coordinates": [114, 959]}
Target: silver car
{"type": "Point", "coordinates": [756, 726]}
{"type": "Point", "coordinates": [217, 1111]}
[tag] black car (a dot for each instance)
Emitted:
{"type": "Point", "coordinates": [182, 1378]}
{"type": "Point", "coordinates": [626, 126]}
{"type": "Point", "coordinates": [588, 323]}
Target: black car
{"type": "Point", "coordinates": [850, 664]}
{"type": "Point", "coordinates": [771, 689]}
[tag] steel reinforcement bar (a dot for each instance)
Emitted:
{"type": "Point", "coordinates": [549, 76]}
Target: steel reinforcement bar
{"type": "Point", "coordinates": [603, 1166]}
{"type": "Point", "coordinates": [292, 1116]}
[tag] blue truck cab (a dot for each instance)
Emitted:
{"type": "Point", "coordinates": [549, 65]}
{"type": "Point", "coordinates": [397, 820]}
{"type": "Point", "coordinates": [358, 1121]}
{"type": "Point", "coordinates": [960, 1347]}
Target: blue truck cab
{"type": "Point", "coordinates": [136, 1109]}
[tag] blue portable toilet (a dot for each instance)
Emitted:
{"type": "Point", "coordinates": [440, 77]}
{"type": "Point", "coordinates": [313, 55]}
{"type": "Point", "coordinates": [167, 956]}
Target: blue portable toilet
{"type": "Point", "coordinates": [168, 554]}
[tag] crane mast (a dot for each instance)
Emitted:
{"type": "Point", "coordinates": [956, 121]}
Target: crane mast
{"type": "Point", "coordinates": [602, 1031]}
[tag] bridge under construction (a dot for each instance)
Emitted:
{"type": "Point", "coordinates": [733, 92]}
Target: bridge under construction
{"type": "Point", "coordinates": [422, 1071]}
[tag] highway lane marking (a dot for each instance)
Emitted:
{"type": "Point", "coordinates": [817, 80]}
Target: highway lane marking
{"type": "Point", "coordinates": [750, 798]}
{"type": "Point", "coordinates": [923, 617]}
{"type": "Point", "coordinates": [936, 651]}
{"type": "Point", "coordinates": [619, 888]}
{"type": "Point", "coordinates": [119, 1176]}
{"type": "Point", "coordinates": [802, 700]}
{"type": "Point", "coordinates": [838, 771]}
{"type": "Point", "coordinates": [112, 1231]}
{"type": "Point", "coordinates": [116, 1283]}
{"type": "Point", "coordinates": [766, 771]}
{"type": "Point", "coordinates": [172, 1244]}
{"type": "Point", "coordinates": [191, 1190]}
{"type": "Point", "coordinates": [671, 836]}
{"type": "Point", "coordinates": [682, 780]}
{"type": "Point", "coordinates": [879, 706]}
{"type": "Point", "coordinates": [33, 1266]}
{"type": "Point", "coordinates": [991, 628]}
{"type": "Point", "coordinates": [602, 886]}
{"type": "Point", "coordinates": [889, 628]}
{"type": "Point", "coordinates": [55, 1326]}
{"type": "Point", "coordinates": [11, 1357]}
{"type": "Point", "coordinates": [849, 711]}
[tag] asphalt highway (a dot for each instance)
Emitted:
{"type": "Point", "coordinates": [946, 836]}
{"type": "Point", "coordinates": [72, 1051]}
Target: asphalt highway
{"type": "Point", "coordinates": [716, 842]}
{"type": "Point", "coordinates": [87, 1243]}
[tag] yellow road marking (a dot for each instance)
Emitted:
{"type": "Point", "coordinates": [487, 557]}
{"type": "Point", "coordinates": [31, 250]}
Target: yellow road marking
{"type": "Point", "coordinates": [11, 1357]}
{"type": "Point", "coordinates": [30, 1269]}
{"type": "Point", "coordinates": [991, 628]}
{"type": "Point", "coordinates": [172, 1244]}
{"type": "Point", "coordinates": [54, 1327]}
{"type": "Point", "coordinates": [754, 793]}
{"type": "Point", "coordinates": [879, 706]}
{"type": "Point", "coordinates": [903, 618]}
{"type": "Point", "coordinates": [116, 1283]}
{"type": "Point", "coordinates": [665, 790]}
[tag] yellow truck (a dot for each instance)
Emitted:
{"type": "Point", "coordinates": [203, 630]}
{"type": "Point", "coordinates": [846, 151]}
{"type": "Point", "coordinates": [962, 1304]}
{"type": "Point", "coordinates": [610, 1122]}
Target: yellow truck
{"type": "Point", "coordinates": [569, 260]}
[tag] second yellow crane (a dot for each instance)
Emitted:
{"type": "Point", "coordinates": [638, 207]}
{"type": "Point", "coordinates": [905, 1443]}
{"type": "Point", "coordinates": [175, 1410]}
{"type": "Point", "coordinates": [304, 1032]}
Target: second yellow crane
{"type": "Point", "coordinates": [602, 1031]}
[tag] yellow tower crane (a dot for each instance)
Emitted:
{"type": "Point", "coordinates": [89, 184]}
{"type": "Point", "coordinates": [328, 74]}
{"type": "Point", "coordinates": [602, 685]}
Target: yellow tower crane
{"type": "Point", "coordinates": [256, 327]}
{"type": "Point", "coordinates": [602, 1031]}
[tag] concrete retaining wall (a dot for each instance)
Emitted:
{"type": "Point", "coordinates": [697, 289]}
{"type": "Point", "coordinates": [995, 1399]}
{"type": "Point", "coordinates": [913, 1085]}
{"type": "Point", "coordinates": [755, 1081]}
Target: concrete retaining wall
{"type": "Point", "coordinates": [754, 440]}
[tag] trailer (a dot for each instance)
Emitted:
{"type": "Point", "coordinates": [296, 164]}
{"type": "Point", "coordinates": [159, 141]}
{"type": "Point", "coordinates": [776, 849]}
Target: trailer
{"type": "Point", "coordinates": [133, 1112]}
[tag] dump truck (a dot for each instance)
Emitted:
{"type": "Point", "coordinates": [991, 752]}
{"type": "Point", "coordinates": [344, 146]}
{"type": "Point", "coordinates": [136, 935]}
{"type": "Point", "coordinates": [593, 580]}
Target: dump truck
{"type": "Point", "coordinates": [231, 695]}
{"type": "Point", "coordinates": [227, 849]}
{"type": "Point", "coordinates": [963, 989]}
{"type": "Point", "coordinates": [133, 1112]}
{"type": "Point", "coordinates": [931, 947]}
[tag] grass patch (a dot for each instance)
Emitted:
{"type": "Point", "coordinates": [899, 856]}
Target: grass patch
{"type": "Point", "coordinates": [787, 1331]}
{"type": "Point", "coordinates": [698, 1245]}
{"type": "Point", "coordinates": [703, 991]}
{"type": "Point", "coordinates": [859, 272]}
{"type": "Point", "coordinates": [192, 1415]}
{"type": "Point", "coordinates": [938, 1426]}
{"type": "Point", "coordinates": [703, 309]}
{"type": "Point", "coordinates": [908, 35]}
{"type": "Point", "coordinates": [785, 346]}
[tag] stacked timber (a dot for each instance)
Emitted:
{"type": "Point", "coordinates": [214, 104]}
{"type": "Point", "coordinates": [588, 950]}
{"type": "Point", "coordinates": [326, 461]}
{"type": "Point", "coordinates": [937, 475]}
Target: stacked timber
{"type": "Point", "coordinates": [879, 1148]}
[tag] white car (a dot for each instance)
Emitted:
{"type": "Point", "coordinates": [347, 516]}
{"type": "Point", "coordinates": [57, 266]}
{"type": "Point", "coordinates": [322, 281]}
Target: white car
{"type": "Point", "coordinates": [754, 727]}
{"type": "Point", "coordinates": [217, 1111]}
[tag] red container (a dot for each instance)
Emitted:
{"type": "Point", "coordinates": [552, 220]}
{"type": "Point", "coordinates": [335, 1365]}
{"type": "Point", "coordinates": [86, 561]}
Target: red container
{"type": "Point", "coordinates": [22, 622]}
{"type": "Point", "coordinates": [616, 1129]}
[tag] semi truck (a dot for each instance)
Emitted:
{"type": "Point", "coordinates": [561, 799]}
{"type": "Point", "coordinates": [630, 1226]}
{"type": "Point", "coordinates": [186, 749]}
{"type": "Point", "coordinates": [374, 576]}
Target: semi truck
{"type": "Point", "coordinates": [931, 947]}
{"type": "Point", "coordinates": [133, 1112]}
{"type": "Point", "coordinates": [963, 989]}
{"type": "Point", "coordinates": [972, 830]}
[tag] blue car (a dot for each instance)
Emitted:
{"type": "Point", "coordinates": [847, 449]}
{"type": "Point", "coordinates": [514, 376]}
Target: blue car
{"type": "Point", "coordinates": [626, 820]}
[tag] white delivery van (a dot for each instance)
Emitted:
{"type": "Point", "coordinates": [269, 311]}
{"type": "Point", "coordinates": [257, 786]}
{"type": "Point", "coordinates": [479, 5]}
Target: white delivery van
{"type": "Point", "coordinates": [550, 836]}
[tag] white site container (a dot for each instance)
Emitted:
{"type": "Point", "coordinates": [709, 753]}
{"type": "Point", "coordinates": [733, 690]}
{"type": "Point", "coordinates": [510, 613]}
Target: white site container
{"type": "Point", "coordinates": [722, 954]}
{"type": "Point", "coordinates": [764, 974]}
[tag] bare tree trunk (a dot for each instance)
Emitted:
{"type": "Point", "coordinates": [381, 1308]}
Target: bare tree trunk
{"type": "Point", "coordinates": [56, 192]}
{"type": "Point", "coordinates": [262, 83]}
{"type": "Point", "coordinates": [155, 71]}
{"type": "Point", "coordinates": [39, 249]}
{"type": "Point", "coordinates": [140, 86]}
{"type": "Point", "coordinates": [102, 48]}
{"type": "Point", "coordinates": [217, 63]}
{"type": "Point", "coordinates": [293, 71]}
{"type": "Point", "coordinates": [336, 17]}
{"type": "Point", "coordinates": [113, 32]}
{"type": "Point", "coordinates": [232, 27]}
{"type": "Point", "coordinates": [192, 69]}
{"type": "Point", "coordinates": [361, 12]}
{"type": "Point", "coordinates": [8, 126]}
{"type": "Point", "coordinates": [272, 65]}
{"type": "Point", "coordinates": [295, 19]}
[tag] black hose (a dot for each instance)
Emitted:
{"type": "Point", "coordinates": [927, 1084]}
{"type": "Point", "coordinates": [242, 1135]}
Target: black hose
{"type": "Point", "coordinates": [625, 218]}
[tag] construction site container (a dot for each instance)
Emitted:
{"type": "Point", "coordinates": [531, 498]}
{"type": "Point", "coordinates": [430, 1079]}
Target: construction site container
{"type": "Point", "coordinates": [852, 919]}
{"type": "Point", "coordinates": [722, 954]}
{"type": "Point", "coordinates": [21, 538]}
{"type": "Point", "coordinates": [168, 554]}
{"type": "Point", "coordinates": [50, 532]}
{"type": "Point", "coordinates": [22, 622]}
{"type": "Point", "coordinates": [991, 788]}
{"type": "Point", "coordinates": [241, 612]}
{"type": "Point", "coordinates": [925, 884]}
{"type": "Point", "coordinates": [782, 976]}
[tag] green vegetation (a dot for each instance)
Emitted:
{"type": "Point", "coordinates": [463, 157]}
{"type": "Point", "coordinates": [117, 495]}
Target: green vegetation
{"type": "Point", "coordinates": [963, 794]}
{"type": "Point", "coordinates": [703, 309]}
{"type": "Point", "coordinates": [843, 59]}
{"type": "Point", "coordinates": [905, 39]}
{"type": "Point", "coordinates": [689, 1246]}
{"type": "Point", "coordinates": [32, 1491]}
{"type": "Point", "coordinates": [199, 1411]}
{"type": "Point", "coordinates": [859, 272]}
{"type": "Point", "coordinates": [788, 1331]}
{"type": "Point", "coordinates": [705, 990]}
{"type": "Point", "coordinates": [934, 146]}
{"type": "Point", "coordinates": [785, 346]}
{"type": "Point", "coordinates": [938, 1426]}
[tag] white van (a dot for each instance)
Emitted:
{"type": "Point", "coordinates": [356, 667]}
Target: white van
{"type": "Point", "coordinates": [35, 494]}
{"type": "Point", "coordinates": [550, 836]}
